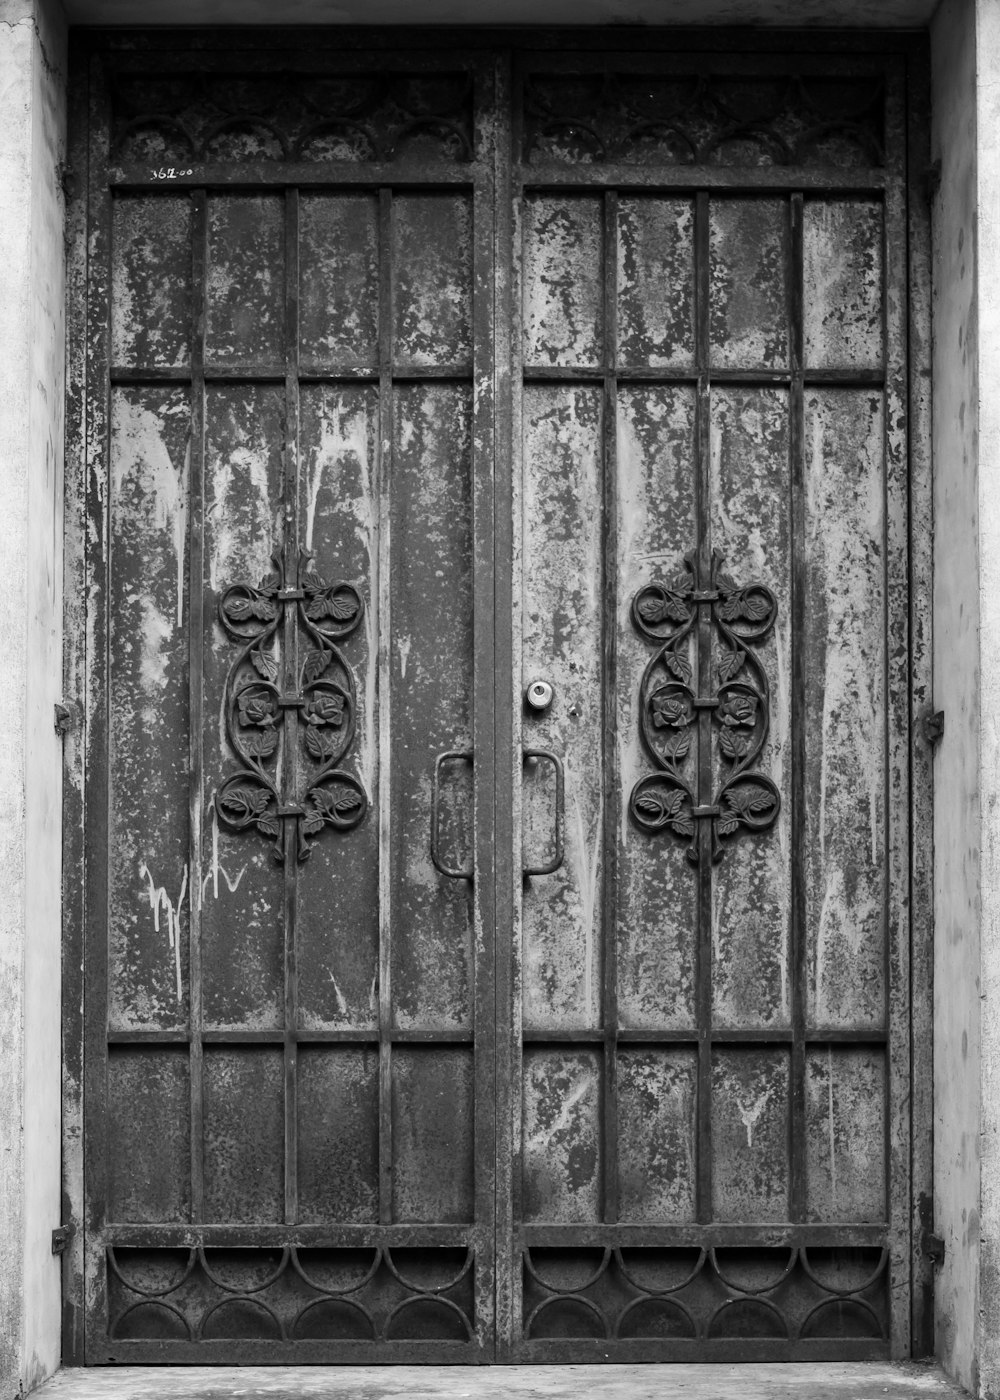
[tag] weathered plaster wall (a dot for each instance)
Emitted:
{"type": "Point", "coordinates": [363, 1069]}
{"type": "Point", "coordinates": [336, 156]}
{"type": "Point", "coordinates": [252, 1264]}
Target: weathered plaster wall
{"type": "Point", "coordinates": [988, 259]}
{"type": "Point", "coordinates": [956, 688]}
{"type": "Point", "coordinates": [32, 80]}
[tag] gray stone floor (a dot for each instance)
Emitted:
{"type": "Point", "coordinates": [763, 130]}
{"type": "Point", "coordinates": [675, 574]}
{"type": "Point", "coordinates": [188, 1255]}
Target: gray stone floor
{"type": "Point", "coordinates": [856, 1381]}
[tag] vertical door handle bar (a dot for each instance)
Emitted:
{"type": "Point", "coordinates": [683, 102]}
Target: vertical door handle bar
{"type": "Point", "coordinates": [452, 871]}
{"type": "Point", "coordinates": [557, 859]}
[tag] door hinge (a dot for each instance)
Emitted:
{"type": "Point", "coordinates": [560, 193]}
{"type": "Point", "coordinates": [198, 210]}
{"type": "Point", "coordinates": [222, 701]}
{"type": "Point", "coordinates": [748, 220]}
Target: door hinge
{"type": "Point", "coordinates": [61, 1238]}
{"type": "Point", "coordinates": [934, 726]}
{"type": "Point", "coordinates": [65, 717]}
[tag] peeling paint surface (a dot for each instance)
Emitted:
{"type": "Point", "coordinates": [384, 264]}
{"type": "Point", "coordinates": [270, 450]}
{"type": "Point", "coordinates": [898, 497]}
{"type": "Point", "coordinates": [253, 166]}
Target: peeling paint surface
{"type": "Point", "coordinates": [656, 524]}
{"type": "Point", "coordinates": [150, 475]}
{"type": "Point", "coordinates": [845, 709]}
{"type": "Point", "coordinates": [561, 641]}
{"type": "Point", "coordinates": [751, 915]}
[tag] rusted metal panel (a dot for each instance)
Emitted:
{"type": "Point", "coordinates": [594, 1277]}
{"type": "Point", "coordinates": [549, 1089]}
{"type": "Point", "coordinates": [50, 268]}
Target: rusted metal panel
{"type": "Point", "coordinates": [151, 279]}
{"type": "Point", "coordinates": [149, 981]}
{"type": "Point", "coordinates": [751, 916]}
{"type": "Point", "coordinates": [432, 303]}
{"type": "Point", "coordinates": [657, 898]}
{"type": "Point", "coordinates": [845, 1111]}
{"type": "Point", "coordinates": [656, 1137]}
{"type": "Point", "coordinates": [244, 303]}
{"type": "Point", "coordinates": [432, 1145]}
{"type": "Point", "coordinates": [656, 282]}
{"type": "Point", "coordinates": [337, 926]}
{"type": "Point", "coordinates": [338, 268]}
{"type": "Point", "coordinates": [561, 644]}
{"type": "Point", "coordinates": [843, 266]}
{"type": "Point", "coordinates": [750, 1169]}
{"type": "Point", "coordinates": [338, 1133]}
{"type": "Point", "coordinates": [563, 302]}
{"type": "Point", "coordinates": [845, 713]}
{"type": "Point", "coordinates": [749, 254]}
{"type": "Point", "coordinates": [244, 1134]}
{"type": "Point", "coordinates": [148, 1096]}
{"type": "Point", "coordinates": [431, 670]}
{"type": "Point", "coordinates": [241, 937]}
{"type": "Point", "coordinates": [562, 1135]}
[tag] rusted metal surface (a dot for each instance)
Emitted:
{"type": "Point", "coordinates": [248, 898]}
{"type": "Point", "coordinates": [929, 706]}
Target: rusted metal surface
{"type": "Point", "coordinates": [495, 1071]}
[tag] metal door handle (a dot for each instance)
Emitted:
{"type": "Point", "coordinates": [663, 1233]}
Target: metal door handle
{"type": "Point", "coordinates": [453, 872]}
{"type": "Point", "coordinates": [551, 866]}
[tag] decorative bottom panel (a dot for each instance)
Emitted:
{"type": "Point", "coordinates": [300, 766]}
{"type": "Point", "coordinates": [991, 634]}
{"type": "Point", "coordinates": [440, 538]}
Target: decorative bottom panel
{"type": "Point", "coordinates": [784, 1298]}
{"type": "Point", "coordinates": [292, 1294]}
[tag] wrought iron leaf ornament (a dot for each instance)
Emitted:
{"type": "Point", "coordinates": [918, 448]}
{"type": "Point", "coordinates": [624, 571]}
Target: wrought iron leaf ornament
{"type": "Point", "coordinates": [687, 720]}
{"type": "Point", "coordinates": [290, 710]}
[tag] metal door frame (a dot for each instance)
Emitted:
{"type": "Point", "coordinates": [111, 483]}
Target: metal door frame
{"type": "Point", "coordinates": [493, 544]}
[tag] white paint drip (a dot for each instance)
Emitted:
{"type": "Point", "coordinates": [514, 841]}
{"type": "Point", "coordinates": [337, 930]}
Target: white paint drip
{"type": "Point", "coordinates": [341, 1003]}
{"type": "Point", "coordinates": [585, 866]}
{"type": "Point", "coordinates": [404, 644]}
{"type": "Point", "coordinates": [240, 481]}
{"type": "Point", "coordinates": [343, 437]}
{"type": "Point", "coordinates": [562, 1122]}
{"type": "Point", "coordinates": [750, 1113]}
{"type": "Point", "coordinates": [217, 868]}
{"type": "Point", "coordinates": [159, 899]}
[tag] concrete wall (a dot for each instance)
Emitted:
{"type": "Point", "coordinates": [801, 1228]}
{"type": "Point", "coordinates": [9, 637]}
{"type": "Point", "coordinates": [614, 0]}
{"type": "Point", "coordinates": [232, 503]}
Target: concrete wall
{"type": "Point", "coordinates": [988, 259]}
{"type": "Point", "coordinates": [32, 86]}
{"type": "Point", "coordinates": [966, 273]}
{"type": "Point", "coordinates": [956, 687]}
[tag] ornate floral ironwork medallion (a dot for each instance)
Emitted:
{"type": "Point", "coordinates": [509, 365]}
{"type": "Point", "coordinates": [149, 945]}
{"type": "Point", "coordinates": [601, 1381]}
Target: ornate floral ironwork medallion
{"type": "Point", "coordinates": [273, 700]}
{"type": "Point", "coordinates": [704, 737]}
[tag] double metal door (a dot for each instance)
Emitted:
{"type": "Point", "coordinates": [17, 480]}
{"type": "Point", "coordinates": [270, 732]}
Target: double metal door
{"type": "Point", "coordinates": [495, 913]}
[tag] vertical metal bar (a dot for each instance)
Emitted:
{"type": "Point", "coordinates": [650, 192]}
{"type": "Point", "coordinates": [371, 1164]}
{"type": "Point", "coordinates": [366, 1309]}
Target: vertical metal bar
{"type": "Point", "coordinates": [79, 616]}
{"type": "Point", "coordinates": [921, 775]}
{"type": "Point", "coordinates": [609, 692]}
{"type": "Point", "coordinates": [797, 827]}
{"type": "Point", "coordinates": [196, 644]}
{"type": "Point", "coordinates": [483, 718]}
{"type": "Point", "coordinates": [897, 681]}
{"type": "Point", "coordinates": [507, 1087]}
{"type": "Point", "coordinates": [383, 635]}
{"type": "Point", "coordinates": [703, 579]}
{"type": "Point", "coordinates": [94, 991]}
{"type": "Point", "coordinates": [290, 660]}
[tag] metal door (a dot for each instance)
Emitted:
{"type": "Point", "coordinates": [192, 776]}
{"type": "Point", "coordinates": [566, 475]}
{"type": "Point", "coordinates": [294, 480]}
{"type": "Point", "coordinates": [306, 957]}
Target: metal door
{"type": "Point", "coordinates": [290, 1045]}
{"type": "Point", "coordinates": [421, 1013]}
{"type": "Point", "coordinates": [710, 1040]}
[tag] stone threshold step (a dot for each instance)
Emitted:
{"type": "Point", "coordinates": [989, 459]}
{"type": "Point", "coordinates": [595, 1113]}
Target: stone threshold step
{"type": "Point", "coordinates": [758, 1381]}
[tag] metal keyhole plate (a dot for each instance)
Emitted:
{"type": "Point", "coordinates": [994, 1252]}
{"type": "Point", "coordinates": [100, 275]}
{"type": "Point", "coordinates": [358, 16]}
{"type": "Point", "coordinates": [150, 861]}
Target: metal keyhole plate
{"type": "Point", "coordinates": [539, 695]}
